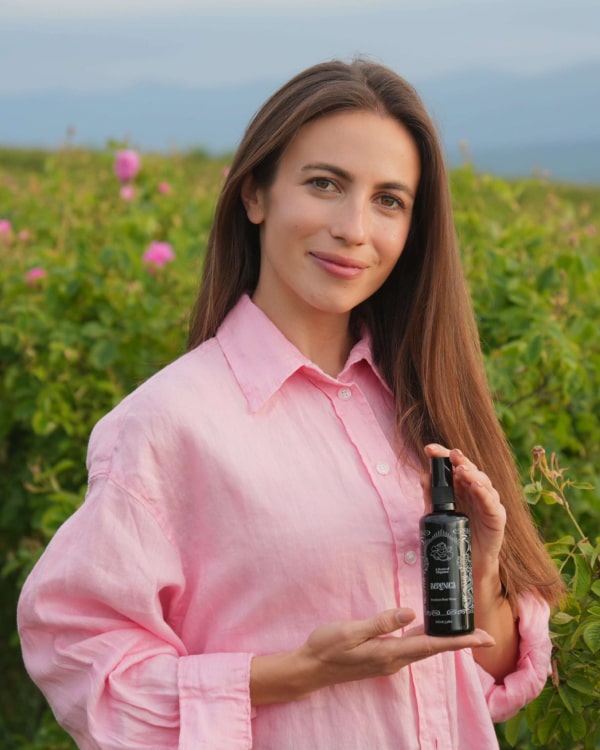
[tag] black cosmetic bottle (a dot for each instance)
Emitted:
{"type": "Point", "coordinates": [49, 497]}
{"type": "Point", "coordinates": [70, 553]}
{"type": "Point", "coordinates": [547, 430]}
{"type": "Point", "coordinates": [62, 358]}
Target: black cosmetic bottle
{"type": "Point", "coordinates": [446, 559]}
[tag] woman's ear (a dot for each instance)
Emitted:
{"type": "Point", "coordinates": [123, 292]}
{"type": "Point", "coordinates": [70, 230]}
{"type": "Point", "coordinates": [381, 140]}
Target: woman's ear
{"type": "Point", "coordinates": [253, 200]}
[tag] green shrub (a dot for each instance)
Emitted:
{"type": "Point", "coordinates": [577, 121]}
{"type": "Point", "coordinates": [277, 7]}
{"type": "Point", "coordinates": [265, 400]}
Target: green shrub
{"type": "Point", "coordinates": [566, 714]}
{"type": "Point", "coordinates": [74, 341]}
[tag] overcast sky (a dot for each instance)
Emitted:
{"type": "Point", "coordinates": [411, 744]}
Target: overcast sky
{"type": "Point", "coordinates": [91, 45]}
{"type": "Point", "coordinates": [96, 8]}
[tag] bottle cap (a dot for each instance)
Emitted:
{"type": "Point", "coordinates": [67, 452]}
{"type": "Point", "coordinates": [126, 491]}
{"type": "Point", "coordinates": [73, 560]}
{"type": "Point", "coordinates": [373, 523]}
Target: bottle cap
{"type": "Point", "coordinates": [442, 486]}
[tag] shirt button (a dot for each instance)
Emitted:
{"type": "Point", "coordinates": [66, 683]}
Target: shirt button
{"type": "Point", "coordinates": [410, 557]}
{"type": "Point", "coordinates": [383, 468]}
{"type": "Point", "coordinates": [345, 394]}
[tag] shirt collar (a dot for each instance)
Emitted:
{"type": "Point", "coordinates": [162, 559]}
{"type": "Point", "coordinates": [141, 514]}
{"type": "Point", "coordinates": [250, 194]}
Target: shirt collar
{"type": "Point", "coordinates": [262, 358]}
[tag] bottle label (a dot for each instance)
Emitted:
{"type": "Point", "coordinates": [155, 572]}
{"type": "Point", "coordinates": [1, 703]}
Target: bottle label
{"type": "Point", "coordinates": [447, 576]}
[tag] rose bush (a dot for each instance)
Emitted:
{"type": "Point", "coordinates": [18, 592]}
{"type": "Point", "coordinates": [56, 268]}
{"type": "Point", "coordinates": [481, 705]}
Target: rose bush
{"type": "Point", "coordinates": [82, 322]}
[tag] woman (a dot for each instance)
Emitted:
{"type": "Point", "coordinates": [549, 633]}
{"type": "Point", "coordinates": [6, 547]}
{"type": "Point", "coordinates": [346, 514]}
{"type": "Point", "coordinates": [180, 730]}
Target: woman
{"type": "Point", "coordinates": [244, 570]}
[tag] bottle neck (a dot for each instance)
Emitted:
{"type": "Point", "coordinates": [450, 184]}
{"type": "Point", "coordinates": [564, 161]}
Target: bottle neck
{"type": "Point", "coordinates": [442, 498]}
{"type": "Point", "coordinates": [443, 507]}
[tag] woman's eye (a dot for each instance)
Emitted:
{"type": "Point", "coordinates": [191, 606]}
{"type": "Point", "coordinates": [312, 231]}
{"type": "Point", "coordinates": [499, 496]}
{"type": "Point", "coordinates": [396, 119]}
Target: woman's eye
{"type": "Point", "coordinates": [322, 183]}
{"type": "Point", "coordinates": [390, 201]}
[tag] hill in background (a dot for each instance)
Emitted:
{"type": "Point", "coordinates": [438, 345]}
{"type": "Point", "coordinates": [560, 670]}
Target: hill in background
{"type": "Point", "coordinates": [507, 124]}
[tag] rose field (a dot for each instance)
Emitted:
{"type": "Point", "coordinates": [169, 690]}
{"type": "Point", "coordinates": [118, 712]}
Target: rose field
{"type": "Point", "coordinates": [101, 254]}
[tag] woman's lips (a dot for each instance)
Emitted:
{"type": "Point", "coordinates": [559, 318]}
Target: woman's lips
{"type": "Point", "coordinates": [344, 268]}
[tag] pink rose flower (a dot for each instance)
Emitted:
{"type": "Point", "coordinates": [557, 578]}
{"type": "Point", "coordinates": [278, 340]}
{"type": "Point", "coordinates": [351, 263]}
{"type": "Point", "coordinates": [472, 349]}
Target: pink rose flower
{"type": "Point", "coordinates": [5, 227]}
{"type": "Point", "coordinates": [164, 188]}
{"type": "Point", "coordinates": [127, 192]}
{"type": "Point", "coordinates": [158, 254]}
{"type": "Point", "coordinates": [34, 275]}
{"type": "Point", "coordinates": [127, 164]}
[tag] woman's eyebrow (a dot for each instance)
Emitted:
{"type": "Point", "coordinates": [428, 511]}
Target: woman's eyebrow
{"type": "Point", "coordinates": [342, 174]}
{"type": "Point", "coordinates": [322, 166]}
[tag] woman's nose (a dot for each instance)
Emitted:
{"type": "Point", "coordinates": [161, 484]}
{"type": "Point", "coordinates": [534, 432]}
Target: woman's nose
{"type": "Point", "coordinates": [351, 222]}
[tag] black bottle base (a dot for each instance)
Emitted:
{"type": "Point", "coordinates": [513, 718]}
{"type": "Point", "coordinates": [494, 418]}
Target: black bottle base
{"type": "Point", "coordinates": [441, 630]}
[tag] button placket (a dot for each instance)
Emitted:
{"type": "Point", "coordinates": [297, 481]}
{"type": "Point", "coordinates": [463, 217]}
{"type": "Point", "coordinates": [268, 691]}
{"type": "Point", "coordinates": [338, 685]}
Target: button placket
{"type": "Point", "coordinates": [363, 429]}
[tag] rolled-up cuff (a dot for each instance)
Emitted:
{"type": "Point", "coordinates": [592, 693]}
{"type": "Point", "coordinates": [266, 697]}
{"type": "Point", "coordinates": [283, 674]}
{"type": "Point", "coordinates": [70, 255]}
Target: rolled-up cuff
{"type": "Point", "coordinates": [533, 667]}
{"type": "Point", "coordinates": [214, 697]}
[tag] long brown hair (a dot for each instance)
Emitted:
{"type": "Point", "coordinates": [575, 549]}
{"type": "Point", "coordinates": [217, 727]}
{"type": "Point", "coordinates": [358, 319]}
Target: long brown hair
{"type": "Point", "coordinates": [425, 339]}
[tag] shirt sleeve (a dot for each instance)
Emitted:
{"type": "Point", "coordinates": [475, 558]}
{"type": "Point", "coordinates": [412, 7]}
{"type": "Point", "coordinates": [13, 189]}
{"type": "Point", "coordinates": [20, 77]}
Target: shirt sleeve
{"type": "Point", "coordinates": [533, 666]}
{"type": "Point", "coordinates": [98, 624]}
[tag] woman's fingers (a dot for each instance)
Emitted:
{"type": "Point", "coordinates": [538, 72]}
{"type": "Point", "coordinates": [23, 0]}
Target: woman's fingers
{"type": "Point", "coordinates": [470, 482]}
{"type": "Point", "coordinates": [356, 649]}
{"type": "Point", "coordinates": [420, 646]}
{"type": "Point", "coordinates": [469, 475]}
{"type": "Point", "coordinates": [384, 623]}
{"type": "Point", "coordinates": [481, 502]}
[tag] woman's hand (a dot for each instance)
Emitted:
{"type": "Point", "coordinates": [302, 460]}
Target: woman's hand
{"type": "Point", "coordinates": [481, 502]}
{"type": "Point", "coordinates": [350, 650]}
{"type": "Point", "coordinates": [356, 649]}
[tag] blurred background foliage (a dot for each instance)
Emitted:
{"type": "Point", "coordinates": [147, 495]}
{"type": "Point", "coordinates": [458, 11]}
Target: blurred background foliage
{"type": "Point", "coordinates": [94, 320]}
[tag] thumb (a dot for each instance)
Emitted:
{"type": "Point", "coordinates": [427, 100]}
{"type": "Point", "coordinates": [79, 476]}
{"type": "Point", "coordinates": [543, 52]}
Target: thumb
{"type": "Point", "coordinates": [385, 622]}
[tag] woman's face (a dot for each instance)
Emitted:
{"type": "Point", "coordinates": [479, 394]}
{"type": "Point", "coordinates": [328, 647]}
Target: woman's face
{"type": "Point", "coordinates": [335, 219]}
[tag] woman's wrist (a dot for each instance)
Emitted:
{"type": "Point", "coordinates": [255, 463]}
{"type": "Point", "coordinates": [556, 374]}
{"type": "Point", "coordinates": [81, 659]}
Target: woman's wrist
{"type": "Point", "coordinates": [281, 678]}
{"type": "Point", "coordinates": [488, 586]}
{"type": "Point", "coordinates": [494, 614]}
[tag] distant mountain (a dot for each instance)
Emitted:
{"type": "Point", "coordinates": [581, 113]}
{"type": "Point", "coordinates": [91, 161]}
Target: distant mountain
{"type": "Point", "coordinates": [575, 162]}
{"type": "Point", "coordinates": [510, 124]}
{"type": "Point", "coordinates": [150, 116]}
{"type": "Point", "coordinates": [516, 124]}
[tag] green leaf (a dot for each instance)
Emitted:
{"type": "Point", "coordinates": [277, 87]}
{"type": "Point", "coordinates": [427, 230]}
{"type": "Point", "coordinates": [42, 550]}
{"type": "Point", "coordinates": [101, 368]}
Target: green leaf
{"type": "Point", "coordinates": [534, 350]}
{"type": "Point", "coordinates": [577, 726]}
{"type": "Point", "coordinates": [546, 278]}
{"type": "Point", "coordinates": [570, 699]}
{"type": "Point", "coordinates": [561, 618]}
{"type": "Point", "coordinates": [581, 684]}
{"type": "Point", "coordinates": [566, 541]}
{"type": "Point", "coordinates": [591, 636]}
{"type": "Point", "coordinates": [552, 498]}
{"type": "Point", "coordinates": [586, 548]}
{"type": "Point", "coordinates": [512, 729]}
{"type": "Point", "coordinates": [93, 330]}
{"type": "Point", "coordinates": [545, 728]}
{"type": "Point", "coordinates": [583, 577]}
{"type": "Point", "coordinates": [561, 547]}
{"type": "Point", "coordinates": [532, 489]}
{"type": "Point", "coordinates": [103, 353]}
{"type": "Point", "coordinates": [42, 423]}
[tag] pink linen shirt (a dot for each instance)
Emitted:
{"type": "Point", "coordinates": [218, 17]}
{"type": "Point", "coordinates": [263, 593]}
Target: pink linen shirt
{"type": "Point", "coordinates": [237, 500]}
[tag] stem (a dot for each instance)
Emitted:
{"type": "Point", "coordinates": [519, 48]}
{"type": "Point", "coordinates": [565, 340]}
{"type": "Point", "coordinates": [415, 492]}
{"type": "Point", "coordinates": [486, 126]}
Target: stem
{"type": "Point", "coordinates": [552, 476]}
{"type": "Point", "coordinates": [577, 526]}
{"type": "Point", "coordinates": [532, 393]}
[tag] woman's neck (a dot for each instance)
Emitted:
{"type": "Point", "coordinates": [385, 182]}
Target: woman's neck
{"type": "Point", "coordinates": [325, 345]}
{"type": "Point", "coordinates": [324, 338]}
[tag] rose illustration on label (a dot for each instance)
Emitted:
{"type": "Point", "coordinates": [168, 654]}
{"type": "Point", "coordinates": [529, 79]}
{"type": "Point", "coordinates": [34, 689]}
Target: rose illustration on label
{"type": "Point", "coordinates": [441, 552]}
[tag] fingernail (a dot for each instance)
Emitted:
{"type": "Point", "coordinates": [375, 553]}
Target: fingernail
{"type": "Point", "coordinates": [405, 616]}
